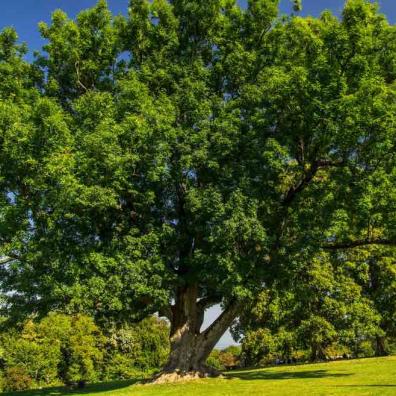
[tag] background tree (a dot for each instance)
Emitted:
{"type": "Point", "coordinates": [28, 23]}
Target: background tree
{"type": "Point", "coordinates": [189, 154]}
{"type": "Point", "coordinates": [324, 309]}
{"type": "Point", "coordinates": [58, 348]}
{"type": "Point", "coordinates": [136, 348]}
{"type": "Point", "coordinates": [72, 350]}
{"type": "Point", "coordinates": [376, 275]}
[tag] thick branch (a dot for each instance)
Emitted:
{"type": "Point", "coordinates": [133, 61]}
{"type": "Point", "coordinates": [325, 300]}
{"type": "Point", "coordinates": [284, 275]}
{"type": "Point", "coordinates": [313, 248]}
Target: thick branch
{"type": "Point", "coordinates": [359, 243]}
{"type": "Point", "coordinates": [294, 190]}
{"type": "Point", "coordinates": [213, 333]}
{"type": "Point", "coordinates": [207, 302]}
{"type": "Point", "coordinates": [203, 304]}
{"type": "Point", "coordinates": [7, 259]}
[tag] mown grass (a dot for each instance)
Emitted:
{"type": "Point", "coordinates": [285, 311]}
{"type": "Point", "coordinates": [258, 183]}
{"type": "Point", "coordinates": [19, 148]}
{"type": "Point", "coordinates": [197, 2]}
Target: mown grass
{"type": "Point", "coordinates": [354, 377]}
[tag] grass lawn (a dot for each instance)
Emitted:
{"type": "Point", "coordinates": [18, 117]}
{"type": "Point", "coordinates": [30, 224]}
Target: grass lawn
{"type": "Point", "coordinates": [354, 377]}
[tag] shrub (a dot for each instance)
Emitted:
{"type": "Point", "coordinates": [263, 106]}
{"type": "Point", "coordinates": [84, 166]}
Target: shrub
{"type": "Point", "coordinates": [60, 347]}
{"type": "Point", "coordinates": [258, 347]}
{"type": "Point", "coordinates": [230, 357]}
{"type": "Point", "coordinates": [214, 360]}
{"type": "Point", "coordinates": [120, 367]}
{"type": "Point", "coordinates": [225, 359]}
{"type": "Point", "coordinates": [72, 349]}
{"type": "Point", "coordinates": [82, 351]}
{"type": "Point", "coordinates": [2, 382]}
{"type": "Point", "coordinates": [17, 379]}
{"type": "Point", "coordinates": [37, 356]}
{"type": "Point", "coordinates": [143, 346]}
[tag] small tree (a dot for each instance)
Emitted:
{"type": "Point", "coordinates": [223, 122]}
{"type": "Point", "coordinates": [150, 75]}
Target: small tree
{"type": "Point", "coordinates": [135, 349]}
{"type": "Point", "coordinates": [81, 345]}
{"type": "Point", "coordinates": [31, 355]}
{"type": "Point", "coordinates": [59, 347]}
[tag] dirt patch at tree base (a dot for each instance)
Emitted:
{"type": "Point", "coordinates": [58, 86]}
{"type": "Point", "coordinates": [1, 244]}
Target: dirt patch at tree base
{"type": "Point", "coordinates": [180, 376]}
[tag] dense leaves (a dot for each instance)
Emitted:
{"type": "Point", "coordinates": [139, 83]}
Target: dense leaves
{"type": "Point", "coordinates": [330, 309]}
{"type": "Point", "coordinates": [71, 349]}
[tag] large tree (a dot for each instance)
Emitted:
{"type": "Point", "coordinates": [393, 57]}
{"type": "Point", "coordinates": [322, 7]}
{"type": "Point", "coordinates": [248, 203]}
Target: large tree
{"type": "Point", "coordinates": [190, 154]}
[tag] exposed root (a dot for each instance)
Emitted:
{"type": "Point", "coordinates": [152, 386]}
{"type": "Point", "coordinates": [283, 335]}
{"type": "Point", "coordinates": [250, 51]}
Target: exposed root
{"type": "Point", "coordinates": [166, 377]}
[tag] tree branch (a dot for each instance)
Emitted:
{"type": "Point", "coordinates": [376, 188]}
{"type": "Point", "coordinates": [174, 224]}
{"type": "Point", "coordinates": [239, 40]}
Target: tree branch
{"type": "Point", "coordinates": [207, 302]}
{"type": "Point", "coordinates": [7, 259]}
{"type": "Point", "coordinates": [294, 190]}
{"type": "Point", "coordinates": [318, 164]}
{"type": "Point", "coordinates": [221, 324]}
{"type": "Point", "coordinates": [202, 305]}
{"type": "Point", "coordinates": [76, 65]}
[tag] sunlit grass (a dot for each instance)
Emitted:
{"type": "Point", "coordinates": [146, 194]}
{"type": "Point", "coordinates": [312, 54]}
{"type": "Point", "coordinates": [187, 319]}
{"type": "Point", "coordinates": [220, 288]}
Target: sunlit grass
{"type": "Point", "coordinates": [354, 377]}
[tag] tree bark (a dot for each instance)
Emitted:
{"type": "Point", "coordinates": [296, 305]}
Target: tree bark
{"type": "Point", "coordinates": [317, 353]}
{"type": "Point", "coordinates": [380, 348]}
{"type": "Point", "coordinates": [190, 347]}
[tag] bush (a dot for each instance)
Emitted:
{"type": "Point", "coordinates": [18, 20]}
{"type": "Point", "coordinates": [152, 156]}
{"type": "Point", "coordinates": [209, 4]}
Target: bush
{"type": "Point", "coordinates": [337, 350]}
{"type": "Point", "coordinates": [214, 360]}
{"type": "Point", "coordinates": [2, 382]}
{"type": "Point", "coordinates": [38, 358]}
{"type": "Point", "coordinates": [67, 348]}
{"type": "Point", "coordinates": [82, 351]}
{"type": "Point", "coordinates": [120, 367]}
{"type": "Point", "coordinates": [230, 357]}
{"type": "Point", "coordinates": [225, 359]}
{"type": "Point", "coordinates": [258, 347]}
{"type": "Point", "coordinates": [17, 379]}
{"type": "Point", "coordinates": [137, 348]}
{"type": "Point", "coordinates": [72, 349]}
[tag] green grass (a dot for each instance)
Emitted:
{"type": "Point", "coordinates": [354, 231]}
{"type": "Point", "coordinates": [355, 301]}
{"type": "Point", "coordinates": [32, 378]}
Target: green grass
{"type": "Point", "coordinates": [354, 377]}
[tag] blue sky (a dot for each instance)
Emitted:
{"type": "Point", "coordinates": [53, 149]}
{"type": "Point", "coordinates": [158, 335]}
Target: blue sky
{"type": "Point", "coordinates": [24, 15]}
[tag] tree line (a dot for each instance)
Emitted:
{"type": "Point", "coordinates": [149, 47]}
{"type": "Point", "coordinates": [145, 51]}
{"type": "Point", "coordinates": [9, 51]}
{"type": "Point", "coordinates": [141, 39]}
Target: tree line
{"type": "Point", "coordinates": [63, 349]}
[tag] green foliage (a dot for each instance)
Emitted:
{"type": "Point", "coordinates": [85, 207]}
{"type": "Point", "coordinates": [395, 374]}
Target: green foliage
{"type": "Point", "coordinates": [257, 345]}
{"type": "Point", "coordinates": [35, 355]}
{"type": "Point", "coordinates": [137, 348]}
{"type": "Point", "coordinates": [297, 5]}
{"type": "Point", "coordinates": [379, 285]}
{"type": "Point", "coordinates": [60, 347]}
{"type": "Point", "coordinates": [120, 366]}
{"type": "Point", "coordinates": [17, 379]}
{"type": "Point", "coordinates": [38, 361]}
{"type": "Point", "coordinates": [325, 311]}
{"type": "Point", "coordinates": [214, 360]}
{"type": "Point", "coordinates": [228, 358]}
{"type": "Point", "coordinates": [70, 349]}
{"type": "Point", "coordinates": [82, 351]}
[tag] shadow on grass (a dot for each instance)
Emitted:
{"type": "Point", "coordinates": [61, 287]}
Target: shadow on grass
{"type": "Point", "coordinates": [367, 386]}
{"type": "Point", "coordinates": [59, 391]}
{"type": "Point", "coordinates": [269, 375]}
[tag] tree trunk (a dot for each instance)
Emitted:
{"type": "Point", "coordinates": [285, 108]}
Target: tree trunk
{"type": "Point", "coordinates": [190, 347]}
{"type": "Point", "coordinates": [380, 348]}
{"type": "Point", "coordinates": [317, 353]}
